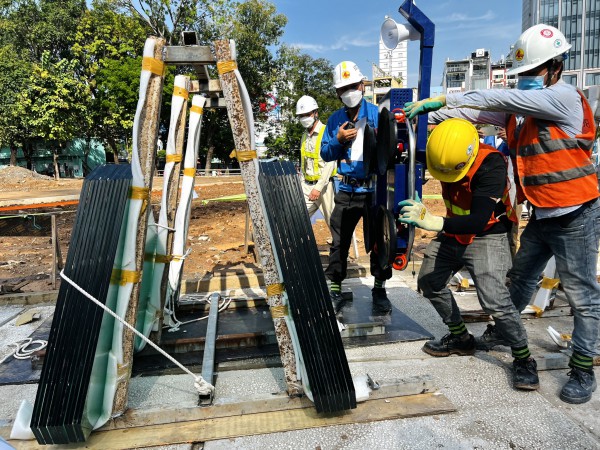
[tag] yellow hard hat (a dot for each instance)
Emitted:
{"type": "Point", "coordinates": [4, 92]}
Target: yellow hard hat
{"type": "Point", "coordinates": [451, 149]}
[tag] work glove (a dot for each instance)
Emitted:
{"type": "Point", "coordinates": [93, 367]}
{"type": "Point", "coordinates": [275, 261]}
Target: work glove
{"type": "Point", "coordinates": [412, 109]}
{"type": "Point", "coordinates": [413, 212]}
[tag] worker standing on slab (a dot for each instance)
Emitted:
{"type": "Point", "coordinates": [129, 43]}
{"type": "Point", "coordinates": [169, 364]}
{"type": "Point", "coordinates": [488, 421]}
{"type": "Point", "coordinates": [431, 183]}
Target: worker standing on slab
{"type": "Point", "coordinates": [317, 183]}
{"type": "Point", "coordinates": [550, 127]}
{"type": "Point", "coordinates": [343, 141]}
{"type": "Point", "coordinates": [472, 235]}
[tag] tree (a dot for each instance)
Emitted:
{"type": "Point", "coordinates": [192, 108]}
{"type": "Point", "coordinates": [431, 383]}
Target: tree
{"type": "Point", "coordinates": [14, 73]}
{"type": "Point", "coordinates": [299, 74]}
{"type": "Point", "coordinates": [57, 102]}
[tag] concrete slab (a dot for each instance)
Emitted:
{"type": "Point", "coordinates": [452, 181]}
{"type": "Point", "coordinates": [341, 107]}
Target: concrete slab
{"type": "Point", "coordinates": [490, 413]}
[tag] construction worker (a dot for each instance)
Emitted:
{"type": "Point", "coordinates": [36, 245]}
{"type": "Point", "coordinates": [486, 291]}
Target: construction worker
{"type": "Point", "coordinates": [473, 235]}
{"type": "Point", "coordinates": [343, 142]}
{"type": "Point", "coordinates": [550, 127]}
{"type": "Point", "coordinates": [317, 181]}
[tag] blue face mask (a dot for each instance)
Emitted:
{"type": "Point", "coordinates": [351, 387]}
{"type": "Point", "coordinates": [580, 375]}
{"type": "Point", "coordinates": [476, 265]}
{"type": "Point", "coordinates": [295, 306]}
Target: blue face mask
{"type": "Point", "coordinates": [528, 83]}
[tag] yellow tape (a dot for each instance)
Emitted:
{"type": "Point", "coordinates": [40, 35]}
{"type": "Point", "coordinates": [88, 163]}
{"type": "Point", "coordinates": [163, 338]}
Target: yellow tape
{"type": "Point", "coordinates": [164, 259]}
{"type": "Point", "coordinates": [197, 109]}
{"type": "Point", "coordinates": [549, 283]}
{"type": "Point", "coordinates": [156, 66]}
{"type": "Point", "coordinates": [243, 155]}
{"type": "Point", "coordinates": [181, 92]}
{"type": "Point", "coordinates": [177, 258]}
{"type": "Point", "coordinates": [122, 277]}
{"type": "Point", "coordinates": [138, 193]}
{"type": "Point", "coordinates": [274, 289]}
{"type": "Point", "coordinates": [191, 172]}
{"type": "Point", "coordinates": [174, 158]}
{"type": "Point", "coordinates": [226, 66]}
{"type": "Point", "coordinates": [279, 312]}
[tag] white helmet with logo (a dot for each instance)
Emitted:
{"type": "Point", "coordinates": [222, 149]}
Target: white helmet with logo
{"type": "Point", "coordinates": [306, 104]}
{"type": "Point", "coordinates": [346, 73]}
{"type": "Point", "coordinates": [536, 45]}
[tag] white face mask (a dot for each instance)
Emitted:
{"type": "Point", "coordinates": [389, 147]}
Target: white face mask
{"type": "Point", "coordinates": [307, 121]}
{"type": "Point", "coordinates": [352, 97]}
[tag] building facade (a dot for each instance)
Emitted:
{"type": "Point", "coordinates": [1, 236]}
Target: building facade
{"type": "Point", "coordinates": [579, 20]}
{"type": "Point", "coordinates": [394, 63]}
{"type": "Point", "coordinates": [473, 72]}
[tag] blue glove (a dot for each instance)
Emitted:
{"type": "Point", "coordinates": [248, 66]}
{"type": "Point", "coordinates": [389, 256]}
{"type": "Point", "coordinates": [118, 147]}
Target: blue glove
{"type": "Point", "coordinates": [413, 212]}
{"type": "Point", "coordinates": [412, 109]}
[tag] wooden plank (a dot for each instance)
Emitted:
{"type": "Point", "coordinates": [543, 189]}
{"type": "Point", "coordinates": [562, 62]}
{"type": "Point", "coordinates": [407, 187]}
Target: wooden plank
{"type": "Point", "coordinates": [261, 423]}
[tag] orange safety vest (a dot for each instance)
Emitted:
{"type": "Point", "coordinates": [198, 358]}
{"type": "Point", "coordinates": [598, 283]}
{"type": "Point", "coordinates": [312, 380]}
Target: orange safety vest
{"type": "Point", "coordinates": [554, 170]}
{"type": "Point", "coordinates": [458, 196]}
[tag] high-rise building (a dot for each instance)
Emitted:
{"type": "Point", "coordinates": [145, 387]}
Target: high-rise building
{"type": "Point", "coordinates": [579, 20]}
{"type": "Point", "coordinates": [394, 62]}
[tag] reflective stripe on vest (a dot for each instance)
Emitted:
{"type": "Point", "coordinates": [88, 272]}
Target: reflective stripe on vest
{"type": "Point", "coordinates": [555, 170]}
{"type": "Point", "coordinates": [458, 196]}
{"type": "Point", "coordinates": [312, 155]}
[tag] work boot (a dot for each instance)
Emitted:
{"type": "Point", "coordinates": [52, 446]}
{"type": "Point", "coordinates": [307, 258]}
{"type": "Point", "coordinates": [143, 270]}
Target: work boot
{"type": "Point", "coordinates": [450, 345]}
{"type": "Point", "coordinates": [489, 339]}
{"type": "Point", "coordinates": [381, 303]}
{"type": "Point", "coordinates": [525, 374]}
{"type": "Point", "coordinates": [580, 387]}
{"type": "Point", "coordinates": [337, 299]}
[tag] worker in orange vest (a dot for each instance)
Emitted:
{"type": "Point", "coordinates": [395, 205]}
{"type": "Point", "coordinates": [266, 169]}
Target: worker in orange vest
{"type": "Point", "coordinates": [472, 235]}
{"type": "Point", "coordinates": [550, 130]}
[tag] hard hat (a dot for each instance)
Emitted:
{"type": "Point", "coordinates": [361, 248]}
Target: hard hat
{"type": "Point", "coordinates": [451, 149]}
{"type": "Point", "coordinates": [306, 104]}
{"type": "Point", "coordinates": [346, 73]}
{"type": "Point", "coordinates": [536, 45]}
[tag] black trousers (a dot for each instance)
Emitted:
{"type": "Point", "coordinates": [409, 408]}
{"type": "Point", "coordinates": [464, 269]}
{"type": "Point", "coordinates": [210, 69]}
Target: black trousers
{"type": "Point", "coordinates": [348, 210]}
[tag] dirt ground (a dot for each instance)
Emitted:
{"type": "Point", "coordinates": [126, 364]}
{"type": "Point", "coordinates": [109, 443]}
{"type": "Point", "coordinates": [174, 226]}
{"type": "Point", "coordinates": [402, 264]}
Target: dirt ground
{"type": "Point", "coordinates": [216, 235]}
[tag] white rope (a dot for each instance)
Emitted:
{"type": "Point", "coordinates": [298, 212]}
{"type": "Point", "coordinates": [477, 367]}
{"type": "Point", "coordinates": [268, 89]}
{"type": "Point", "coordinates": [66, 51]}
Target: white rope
{"type": "Point", "coordinates": [223, 307]}
{"type": "Point", "coordinates": [158, 225]}
{"type": "Point", "coordinates": [202, 386]}
{"type": "Point", "coordinates": [22, 351]}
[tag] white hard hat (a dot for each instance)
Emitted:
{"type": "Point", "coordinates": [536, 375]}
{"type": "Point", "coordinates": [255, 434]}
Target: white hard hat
{"type": "Point", "coordinates": [306, 104]}
{"type": "Point", "coordinates": [346, 73]}
{"type": "Point", "coordinates": [536, 45]}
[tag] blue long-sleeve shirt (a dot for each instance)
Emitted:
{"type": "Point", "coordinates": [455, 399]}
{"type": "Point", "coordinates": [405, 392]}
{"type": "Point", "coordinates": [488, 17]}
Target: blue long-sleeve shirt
{"type": "Point", "coordinates": [333, 150]}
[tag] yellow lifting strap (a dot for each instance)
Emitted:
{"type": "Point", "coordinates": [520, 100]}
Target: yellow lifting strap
{"type": "Point", "coordinates": [190, 172]}
{"type": "Point", "coordinates": [151, 257]}
{"type": "Point", "coordinates": [197, 109]}
{"type": "Point", "coordinates": [226, 66]}
{"type": "Point", "coordinates": [174, 158]}
{"type": "Point", "coordinates": [279, 312]}
{"type": "Point", "coordinates": [243, 155]}
{"type": "Point", "coordinates": [181, 92]}
{"type": "Point", "coordinates": [156, 66]}
{"type": "Point", "coordinates": [138, 193]}
{"type": "Point", "coordinates": [549, 283]}
{"type": "Point", "coordinates": [122, 277]}
{"type": "Point", "coordinates": [274, 289]}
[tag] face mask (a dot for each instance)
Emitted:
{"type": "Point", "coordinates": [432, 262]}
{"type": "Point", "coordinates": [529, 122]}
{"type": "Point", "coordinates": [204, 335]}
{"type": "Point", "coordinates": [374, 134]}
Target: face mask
{"type": "Point", "coordinates": [307, 121]}
{"type": "Point", "coordinates": [352, 97]}
{"type": "Point", "coordinates": [526, 83]}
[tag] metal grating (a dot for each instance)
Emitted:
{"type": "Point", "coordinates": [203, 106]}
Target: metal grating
{"type": "Point", "coordinates": [58, 413]}
{"type": "Point", "coordinates": [310, 306]}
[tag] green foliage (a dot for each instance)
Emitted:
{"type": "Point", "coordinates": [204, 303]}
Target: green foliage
{"type": "Point", "coordinates": [71, 68]}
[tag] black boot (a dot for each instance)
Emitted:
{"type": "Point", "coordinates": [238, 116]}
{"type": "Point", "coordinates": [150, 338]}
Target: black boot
{"type": "Point", "coordinates": [525, 374]}
{"type": "Point", "coordinates": [489, 339]}
{"type": "Point", "coordinates": [381, 303]}
{"type": "Point", "coordinates": [450, 344]}
{"type": "Point", "coordinates": [580, 387]}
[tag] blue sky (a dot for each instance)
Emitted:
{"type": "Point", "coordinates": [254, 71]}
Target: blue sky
{"type": "Point", "coordinates": [349, 30]}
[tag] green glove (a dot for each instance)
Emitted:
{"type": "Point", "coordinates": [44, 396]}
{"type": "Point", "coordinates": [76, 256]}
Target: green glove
{"type": "Point", "coordinates": [412, 109]}
{"type": "Point", "coordinates": [413, 212]}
